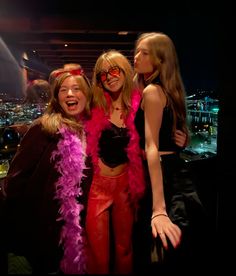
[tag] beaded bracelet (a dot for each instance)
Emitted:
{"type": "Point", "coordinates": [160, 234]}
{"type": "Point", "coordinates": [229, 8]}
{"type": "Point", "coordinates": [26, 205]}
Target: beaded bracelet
{"type": "Point", "coordinates": [159, 215]}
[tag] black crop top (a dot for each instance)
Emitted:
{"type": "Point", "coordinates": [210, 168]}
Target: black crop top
{"type": "Point", "coordinates": [112, 146]}
{"type": "Point", "coordinates": [166, 141]}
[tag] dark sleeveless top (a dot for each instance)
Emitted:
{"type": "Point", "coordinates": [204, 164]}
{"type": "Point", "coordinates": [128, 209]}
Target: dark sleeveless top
{"type": "Point", "coordinates": [112, 146]}
{"type": "Point", "coordinates": [182, 201]}
{"type": "Point", "coordinates": [166, 140]}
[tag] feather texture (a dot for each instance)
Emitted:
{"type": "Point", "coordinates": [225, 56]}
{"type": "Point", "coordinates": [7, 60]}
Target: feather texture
{"type": "Point", "coordinates": [70, 156]}
{"type": "Point", "coordinates": [99, 121]}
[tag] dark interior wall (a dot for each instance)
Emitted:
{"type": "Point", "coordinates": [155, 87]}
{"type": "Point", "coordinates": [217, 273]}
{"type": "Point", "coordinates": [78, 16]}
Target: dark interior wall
{"type": "Point", "coordinates": [30, 62]}
{"type": "Point", "coordinates": [226, 148]}
{"type": "Point", "coordinates": [11, 81]}
{"type": "Point", "coordinates": [216, 178]}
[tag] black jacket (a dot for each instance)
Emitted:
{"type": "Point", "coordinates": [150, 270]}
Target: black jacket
{"type": "Point", "coordinates": [30, 208]}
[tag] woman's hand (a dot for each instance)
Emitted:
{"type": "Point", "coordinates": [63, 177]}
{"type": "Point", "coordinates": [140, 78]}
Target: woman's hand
{"type": "Point", "coordinates": [163, 227]}
{"type": "Point", "coordinates": [180, 139]}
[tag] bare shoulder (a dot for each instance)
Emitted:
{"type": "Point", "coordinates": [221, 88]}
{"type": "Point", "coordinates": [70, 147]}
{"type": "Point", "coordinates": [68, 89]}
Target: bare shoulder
{"type": "Point", "coordinates": [154, 92]}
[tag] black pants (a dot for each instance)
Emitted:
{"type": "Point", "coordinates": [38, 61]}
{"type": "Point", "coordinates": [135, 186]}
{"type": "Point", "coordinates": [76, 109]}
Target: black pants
{"type": "Point", "coordinates": [184, 209]}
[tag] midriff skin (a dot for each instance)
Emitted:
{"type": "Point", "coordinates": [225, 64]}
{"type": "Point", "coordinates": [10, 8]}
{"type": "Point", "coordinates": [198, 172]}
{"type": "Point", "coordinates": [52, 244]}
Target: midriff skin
{"type": "Point", "coordinates": [107, 171]}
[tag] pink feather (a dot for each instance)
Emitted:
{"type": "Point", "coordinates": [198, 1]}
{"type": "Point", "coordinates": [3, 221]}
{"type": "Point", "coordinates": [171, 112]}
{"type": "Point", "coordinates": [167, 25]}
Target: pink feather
{"type": "Point", "coordinates": [71, 165]}
{"type": "Point", "coordinates": [94, 127]}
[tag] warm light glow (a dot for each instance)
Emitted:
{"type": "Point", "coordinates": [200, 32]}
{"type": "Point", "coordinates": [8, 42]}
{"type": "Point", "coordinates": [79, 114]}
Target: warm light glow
{"type": "Point", "coordinates": [123, 33]}
{"type": "Point", "coordinates": [25, 56]}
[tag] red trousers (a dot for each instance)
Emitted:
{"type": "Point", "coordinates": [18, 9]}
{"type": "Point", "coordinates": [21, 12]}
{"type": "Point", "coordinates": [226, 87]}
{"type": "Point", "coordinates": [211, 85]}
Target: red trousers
{"type": "Point", "coordinates": [109, 209]}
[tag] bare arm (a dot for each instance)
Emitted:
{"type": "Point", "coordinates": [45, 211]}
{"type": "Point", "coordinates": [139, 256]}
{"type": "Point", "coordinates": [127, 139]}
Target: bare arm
{"type": "Point", "coordinates": [154, 102]}
{"type": "Point", "coordinates": [153, 109]}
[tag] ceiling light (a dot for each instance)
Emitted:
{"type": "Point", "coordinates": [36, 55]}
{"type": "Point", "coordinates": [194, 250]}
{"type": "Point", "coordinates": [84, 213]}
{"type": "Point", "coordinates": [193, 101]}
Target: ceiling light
{"type": "Point", "coordinates": [123, 33]}
{"type": "Point", "coordinates": [25, 56]}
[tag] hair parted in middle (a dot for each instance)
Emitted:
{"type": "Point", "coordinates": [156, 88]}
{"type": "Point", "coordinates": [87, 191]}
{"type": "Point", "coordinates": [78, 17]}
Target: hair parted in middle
{"type": "Point", "coordinates": [164, 58]}
{"type": "Point", "coordinates": [114, 58]}
{"type": "Point", "coordinates": [55, 116]}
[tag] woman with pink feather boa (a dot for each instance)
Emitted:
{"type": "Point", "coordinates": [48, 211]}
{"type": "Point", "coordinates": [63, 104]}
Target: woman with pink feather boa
{"type": "Point", "coordinates": [118, 181]}
{"type": "Point", "coordinates": [44, 185]}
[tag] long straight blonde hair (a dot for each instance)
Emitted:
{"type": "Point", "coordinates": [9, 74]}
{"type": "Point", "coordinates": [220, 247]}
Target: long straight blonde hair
{"type": "Point", "coordinates": [114, 58]}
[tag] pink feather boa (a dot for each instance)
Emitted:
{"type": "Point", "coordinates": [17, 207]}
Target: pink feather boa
{"type": "Point", "coordinates": [100, 121]}
{"type": "Point", "coordinates": [71, 163]}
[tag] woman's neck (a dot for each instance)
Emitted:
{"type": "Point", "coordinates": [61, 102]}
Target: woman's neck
{"type": "Point", "coordinates": [116, 101]}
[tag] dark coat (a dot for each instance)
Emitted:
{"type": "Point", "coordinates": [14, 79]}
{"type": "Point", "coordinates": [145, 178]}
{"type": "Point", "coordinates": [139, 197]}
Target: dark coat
{"type": "Point", "coordinates": [31, 210]}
